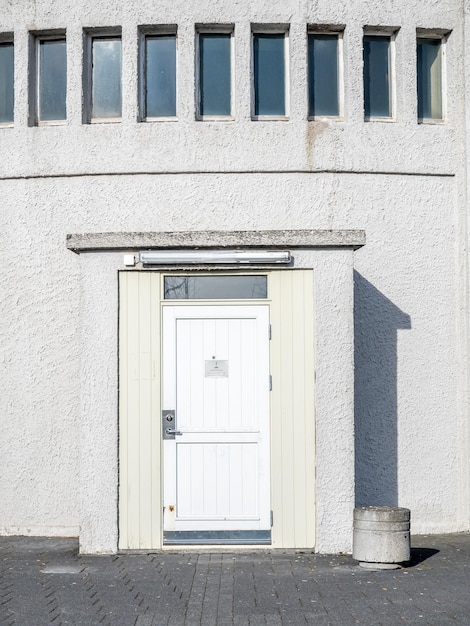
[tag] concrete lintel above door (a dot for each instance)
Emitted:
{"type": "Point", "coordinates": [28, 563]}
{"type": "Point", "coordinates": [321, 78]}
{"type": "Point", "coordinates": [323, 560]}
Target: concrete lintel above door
{"type": "Point", "coordinates": [88, 242]}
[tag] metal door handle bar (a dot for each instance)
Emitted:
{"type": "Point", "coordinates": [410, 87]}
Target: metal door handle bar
{"type": "Point", "coordinates": [172, 431]}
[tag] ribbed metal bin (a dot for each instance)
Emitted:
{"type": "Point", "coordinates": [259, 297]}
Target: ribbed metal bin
{"type": "Point", "coordinates": [381, 536]}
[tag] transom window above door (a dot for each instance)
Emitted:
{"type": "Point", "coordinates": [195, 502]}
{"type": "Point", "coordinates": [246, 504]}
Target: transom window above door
{"type": "Point", "coordinates": [226, 287]}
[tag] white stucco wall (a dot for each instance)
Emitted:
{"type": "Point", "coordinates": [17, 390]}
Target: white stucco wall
{"type": "Point", "coordinates": [403, 183]}
{"type": "Point", "coordinates": [334, 397]}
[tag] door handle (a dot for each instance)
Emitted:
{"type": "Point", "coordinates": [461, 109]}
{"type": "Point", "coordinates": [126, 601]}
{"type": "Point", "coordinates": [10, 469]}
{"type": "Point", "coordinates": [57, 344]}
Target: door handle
{"type": "Point", "coordinates": [168, 424]}
{"type": "Point", "coordinates": [172, 431]}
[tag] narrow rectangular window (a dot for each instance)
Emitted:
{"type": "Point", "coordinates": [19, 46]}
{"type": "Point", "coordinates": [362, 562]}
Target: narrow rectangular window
{"type": "Point", "coordinates": [51, 79]}
{"type": "Point", "coordinates": [429, 78]}
{"type": "Point", "coordinates": [106, 97]}
{"type": "Point", "coordinates": [377, 70]}
{"type": "Point", "coordinates": [6, 83]}
{"type": "Point", "coordinates": [215, 74]}
{"type": "Point", "coordinates": [269, 74]}
{"type": "Point", "coordinates": [215, 287]}
{"type": "Point", "coordinates": [323, 75]}
{"type": "Point", "coordinates": [159, 76]}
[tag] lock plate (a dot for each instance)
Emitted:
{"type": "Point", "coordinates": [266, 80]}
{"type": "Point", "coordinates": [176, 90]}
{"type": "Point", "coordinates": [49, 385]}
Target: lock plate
{"type": "Point", "coordinates": [168, 424]}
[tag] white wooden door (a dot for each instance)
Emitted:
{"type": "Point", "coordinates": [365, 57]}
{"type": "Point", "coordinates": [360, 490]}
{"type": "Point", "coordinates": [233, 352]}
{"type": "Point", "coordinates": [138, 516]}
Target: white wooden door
{"type": "Point", "coordinates": [216, 380]}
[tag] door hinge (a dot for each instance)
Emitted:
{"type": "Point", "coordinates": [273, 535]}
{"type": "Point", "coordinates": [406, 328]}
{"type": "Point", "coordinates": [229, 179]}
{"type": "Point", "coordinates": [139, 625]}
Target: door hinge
{"type": "Point", "coordinates": [270, 382]}
{"type": "Point", "coordinates": [270, 332]}
{"type": "Point", "coordinates": [272, 519]}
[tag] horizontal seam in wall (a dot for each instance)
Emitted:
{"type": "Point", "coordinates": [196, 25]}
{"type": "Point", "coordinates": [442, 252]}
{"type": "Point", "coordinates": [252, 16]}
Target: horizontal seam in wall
{"type": "Point", "coordinates": [231, 172]}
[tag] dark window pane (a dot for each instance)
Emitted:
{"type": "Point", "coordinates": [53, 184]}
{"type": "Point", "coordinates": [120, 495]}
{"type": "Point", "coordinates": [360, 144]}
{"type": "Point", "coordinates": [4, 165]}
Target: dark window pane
{"type": "Point", "coordinates": [106, 94]}
{"type": "Point", "coordinates": [6, 83]}
{"type": "Point", "coordinates": [377, 76]}
{"type": "Point", "coordinates": [269, 74]}
{"type": "Point", "coordinates": [214, 74]}
{"type": "Point", "coordinates": [323, 75]}
{"type": "Point", "coordinates": [215, 287]}
{"type": "Point", "coordinates": [429, 72]}
{"type": "Point", "coordinates": [160, 75]}
{"type": "Point", "coordinates": [52, 80]}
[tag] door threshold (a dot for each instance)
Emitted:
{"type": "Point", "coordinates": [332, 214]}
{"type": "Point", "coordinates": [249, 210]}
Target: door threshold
{"type": "Point", "coordinates": [217, 537]}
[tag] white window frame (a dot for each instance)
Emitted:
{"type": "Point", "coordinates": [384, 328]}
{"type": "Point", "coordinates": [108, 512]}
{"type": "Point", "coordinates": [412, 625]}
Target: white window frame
{"type": "Point", "coordinates": [35, 59]}
{"type": "Point", "coordinates": [168, 30]}
{"type": "Point", "coordinates": [443, 36]}
{"type": "Point", "coordinates": [214, 29]}
{"type": "Point", "coordinates": [338, 31]}
{"type": "Point", "coordinates": [90, 34]}
{"type": "Point", "coordinates": [272, 29]}
{"type": "Point", "coordinates": [9, 39]}
{"type": "Point", "coordinates": [391, 32]}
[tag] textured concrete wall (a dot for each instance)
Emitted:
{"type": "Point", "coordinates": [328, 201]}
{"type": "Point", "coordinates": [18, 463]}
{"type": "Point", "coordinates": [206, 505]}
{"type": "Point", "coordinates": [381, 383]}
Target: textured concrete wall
{"type": "Point", "coordinates": [98, 437]}
{"type": "Point", "coordinates": [403, 183]}
{"type": "Point", "coordinates": [334, 398]}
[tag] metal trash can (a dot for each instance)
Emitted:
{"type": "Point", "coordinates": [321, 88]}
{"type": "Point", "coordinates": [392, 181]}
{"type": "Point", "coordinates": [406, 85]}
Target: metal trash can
{"type": "Point", "coordinates": [381, 536]}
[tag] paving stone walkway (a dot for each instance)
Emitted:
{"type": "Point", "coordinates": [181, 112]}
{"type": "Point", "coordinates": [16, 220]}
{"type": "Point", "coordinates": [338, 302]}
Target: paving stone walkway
{"type": "Point", "coordinates": [46, 581]}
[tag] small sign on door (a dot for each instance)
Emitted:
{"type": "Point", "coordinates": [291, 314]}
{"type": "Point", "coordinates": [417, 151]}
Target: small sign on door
{"type": "Point", "coordinates": [216, 369]}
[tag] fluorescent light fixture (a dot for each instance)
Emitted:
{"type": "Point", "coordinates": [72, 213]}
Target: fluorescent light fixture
{"type": "Point", "coordinates": [230, 257]}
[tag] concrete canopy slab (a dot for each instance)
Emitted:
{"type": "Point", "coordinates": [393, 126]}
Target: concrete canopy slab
{"type": "Point", "coordinates": [87, 242]}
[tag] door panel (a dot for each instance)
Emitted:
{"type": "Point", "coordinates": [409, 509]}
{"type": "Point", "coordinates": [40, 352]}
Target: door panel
{"type": "Point", "coordinates": [204, 495]}
{"type": "Point", "coordinates": [216, 376]}
{"type": "Point", "coordinates": [291, 314]}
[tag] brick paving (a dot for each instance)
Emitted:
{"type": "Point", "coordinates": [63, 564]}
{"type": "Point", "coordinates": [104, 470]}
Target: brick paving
{"type": "Point", "coordinates": [46, 581]}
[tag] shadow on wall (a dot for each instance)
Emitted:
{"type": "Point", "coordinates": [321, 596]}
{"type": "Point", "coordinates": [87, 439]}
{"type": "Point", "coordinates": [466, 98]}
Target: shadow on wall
{"type": "Point", "coordinates": [376, 322]}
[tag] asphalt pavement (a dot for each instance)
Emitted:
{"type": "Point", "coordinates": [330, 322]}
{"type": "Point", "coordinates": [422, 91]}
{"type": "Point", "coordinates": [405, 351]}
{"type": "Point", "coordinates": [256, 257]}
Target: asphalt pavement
{"type": "Point", "coordinates": [45, 581]}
